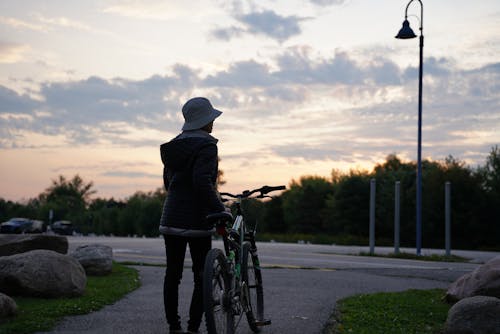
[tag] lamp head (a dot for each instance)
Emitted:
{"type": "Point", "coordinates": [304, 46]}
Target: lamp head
{"type": "Point", "coordinates": [406, 32]}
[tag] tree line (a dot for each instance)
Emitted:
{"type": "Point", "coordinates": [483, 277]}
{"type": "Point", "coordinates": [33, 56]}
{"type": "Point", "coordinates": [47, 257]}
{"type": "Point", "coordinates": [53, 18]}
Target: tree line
{"type": "Point", "coordinates": [313, 208]}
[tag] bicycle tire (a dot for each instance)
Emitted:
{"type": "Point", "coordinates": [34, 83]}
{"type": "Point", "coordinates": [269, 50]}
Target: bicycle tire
{"type": "Point", "coordinates": [252, 277]}
{"type": "Point", "coordinates": [216, 289]}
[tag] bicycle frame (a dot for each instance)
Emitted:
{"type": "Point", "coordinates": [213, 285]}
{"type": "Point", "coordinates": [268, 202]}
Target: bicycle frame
{"type": "Point", "coordinates": [242, 286]}
{"type": "Point", "coordinates": [233, 242]}
{"type": "Point", "coordinates": [233, 239]}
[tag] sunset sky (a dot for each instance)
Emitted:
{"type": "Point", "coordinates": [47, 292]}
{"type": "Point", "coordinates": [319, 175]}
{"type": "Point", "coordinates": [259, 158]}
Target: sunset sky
{"type": "Point", "coordinates": [94, 87]}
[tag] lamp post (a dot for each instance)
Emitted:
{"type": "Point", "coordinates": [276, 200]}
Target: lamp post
{"type": "Point", "coordinates": [405, 33]}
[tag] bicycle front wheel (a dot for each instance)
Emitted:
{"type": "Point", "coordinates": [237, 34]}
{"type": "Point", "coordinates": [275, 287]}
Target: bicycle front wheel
{"type": "Point", "coordinates": [216, 294]}
{"type": "Point", "coordinates": [252, 277]}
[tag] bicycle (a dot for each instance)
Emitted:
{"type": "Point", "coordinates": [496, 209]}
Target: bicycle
{"type": "Point", "coordinates": [232, 280]}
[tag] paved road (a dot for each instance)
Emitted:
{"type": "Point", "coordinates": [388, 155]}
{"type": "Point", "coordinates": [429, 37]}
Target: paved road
{"type": "Point", "coordinates": [151, 250]}
{"type": "Point", "coordinates": [297, 300]}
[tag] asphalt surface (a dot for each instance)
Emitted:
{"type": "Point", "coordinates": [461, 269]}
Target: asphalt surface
{"type": "Point", "coordinates": [296, 300]}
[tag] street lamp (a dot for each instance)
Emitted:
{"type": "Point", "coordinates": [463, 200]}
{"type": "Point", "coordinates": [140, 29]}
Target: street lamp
{"type": "Point", "coordinates": [405, 33]}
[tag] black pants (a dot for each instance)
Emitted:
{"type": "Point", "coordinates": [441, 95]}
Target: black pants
{"type": "Point", "coordinates": [175, 247]}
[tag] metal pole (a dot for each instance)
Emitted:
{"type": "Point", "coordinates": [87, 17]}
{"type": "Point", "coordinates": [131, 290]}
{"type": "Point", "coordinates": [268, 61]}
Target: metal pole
{"type": "Point", "coordinates": [419, 155]}
{"type": "Point", "coordinates": [396, 217]}
{"type": "Point", "coordinates": [372, 215]}
{"type": "Point", "coordinates": [419, 145]}
{"type": "Point", "coordinates": [447, 201]}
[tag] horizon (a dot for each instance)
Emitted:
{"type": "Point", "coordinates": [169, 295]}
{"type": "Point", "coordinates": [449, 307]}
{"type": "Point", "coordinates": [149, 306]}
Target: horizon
{"type": "Point", "coordinates": [95, 195]}
{"type": "Point", "coordinates": [305, 87]}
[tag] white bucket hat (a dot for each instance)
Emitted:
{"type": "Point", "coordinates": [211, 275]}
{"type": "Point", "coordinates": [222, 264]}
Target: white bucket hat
{"type": "Point", "coordinates": [198, 112]}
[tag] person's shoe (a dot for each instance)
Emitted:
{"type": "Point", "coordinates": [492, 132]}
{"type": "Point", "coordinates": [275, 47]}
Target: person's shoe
{"type": "Point", "coordinates": [176, 331]}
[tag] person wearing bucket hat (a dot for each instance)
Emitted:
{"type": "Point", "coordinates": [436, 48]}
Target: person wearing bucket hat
{"type": "Point", "coordinates": [197, 113]}
{"type": "Point", "coordinates": [190, 169]}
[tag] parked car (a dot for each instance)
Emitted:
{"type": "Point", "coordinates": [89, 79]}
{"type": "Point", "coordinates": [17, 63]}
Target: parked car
{"type": "Point", "coordinates": [16, 225]}
{"type": "Point", "coordinates": [37, 227]}
{"type": "Point", "coordinates": [64, 227]}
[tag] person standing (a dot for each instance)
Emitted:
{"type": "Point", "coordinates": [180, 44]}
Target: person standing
{"type": "Point", "coordinates": [190, 174]}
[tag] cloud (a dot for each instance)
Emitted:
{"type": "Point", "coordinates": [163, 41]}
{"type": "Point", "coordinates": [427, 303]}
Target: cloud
{"type": "Point", "coordinates": [65, 22]}
{"type": "Point", "coordinates": [87, 111]}
{"type": "Point", "coordinates": [270, 24]}
{"type": "Point", "coordinates": [130, 174]}
{"type": "Point", "coordinates": [455, 121]}
{"type": "Point", "coordinates": [334, 105]}
{"type": "Point", "coordinates": [154, 9]}
{"type": "Point", "coordinates": [16, 23]}
{"type": "Point", "coordinates": [11, 53]}
{"type": "Point", "coordinates": [242, 74]}
{"type": "Point", "coordinates": [264, 22]}
{"type": "Point", "coordinates": [298, 68]}
{"type": "Point", "coordinates": [329, 2]}
{"type": "Point", "coordinates": [12, 102]}
{"type": "Point", "coordinates": [253, 20]}
{"type": "Point", "coordinates": [227, 34]}
{"type": "Point", "coordinates": [45, 24]}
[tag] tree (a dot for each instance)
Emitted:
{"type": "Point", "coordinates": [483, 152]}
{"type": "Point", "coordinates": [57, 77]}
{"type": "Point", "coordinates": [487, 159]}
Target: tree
{"type": "Point", "coordinates": [272, 219]}
{"type": "Point", "coordinates": [304, 202]}
{"type": "Point", "coordinates": [104, 215]}
{"type": "Point", "coordinates": [386, 175]}
{"type": "Point", "coordinates": [76, 191]}
{"type": "Point", "coordinates": [346, 208]}
{"type": "Point", "coordinates": [489, 176]}
{"type": "Point", "coordinates": [490, 173]}
{"type": "Point", "coordinates": [220, 176]}
{"type": "Point", "coordinates": [9, 209]}
{"type": "Point", "coordinates": [142, 214]}
{"type": "Point", "coordinates": [68, 199]}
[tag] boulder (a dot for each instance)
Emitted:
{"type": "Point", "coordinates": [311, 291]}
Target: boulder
{"type": "Point", "coordinates": [8, 306]}
{"type": "Point", "coordinates": [96, 259]}
{"type": "Point", "coordinates": [42, 273]}
{"type": "Point", "coordinates": [11, 244]}
{"type": "Point", "coordinates": [474, 315]}
{"type": "Point", "coordinates": [483, 281]}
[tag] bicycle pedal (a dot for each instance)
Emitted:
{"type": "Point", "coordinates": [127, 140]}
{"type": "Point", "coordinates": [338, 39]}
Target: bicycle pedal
{"type": "Point", "coordinates": [260, 323]}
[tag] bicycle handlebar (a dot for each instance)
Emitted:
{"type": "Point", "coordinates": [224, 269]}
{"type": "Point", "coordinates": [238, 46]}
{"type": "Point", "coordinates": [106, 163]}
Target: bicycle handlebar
{"type": "Point", "coordinates": [262, 190]}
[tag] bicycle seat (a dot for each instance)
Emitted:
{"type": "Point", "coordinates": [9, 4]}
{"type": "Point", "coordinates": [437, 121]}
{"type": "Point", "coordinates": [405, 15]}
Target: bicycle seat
{"type": "Point", "coordinates": [220, 216]}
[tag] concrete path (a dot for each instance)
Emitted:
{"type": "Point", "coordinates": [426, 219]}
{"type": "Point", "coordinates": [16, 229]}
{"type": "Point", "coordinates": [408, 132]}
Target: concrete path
{"type": "Point", "coordinates": [297, 300]}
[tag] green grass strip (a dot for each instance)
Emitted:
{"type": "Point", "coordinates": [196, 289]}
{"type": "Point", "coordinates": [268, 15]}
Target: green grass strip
{"type": "Point", "coordinates": [412, 311]}
{"type": "Point", "coordinates": [39, 314]}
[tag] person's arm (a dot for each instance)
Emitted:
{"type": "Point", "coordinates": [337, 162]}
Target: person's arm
{"type": "Point", "coordinates": [166, 178]}
{"type": "Point", "coordinates": [205, 165]}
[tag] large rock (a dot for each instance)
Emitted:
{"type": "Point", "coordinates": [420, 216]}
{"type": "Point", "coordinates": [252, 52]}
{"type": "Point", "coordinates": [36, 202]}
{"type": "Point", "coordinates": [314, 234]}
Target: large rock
{"type": "Point", "coordinates": [8, 306]}
{"type": "Point", "coordinates": [483, 281]}
{"type": "Point", "coordinates": [474, 315]}
{"type": "Point", "coordinates": [11, 244]}
{"type": "Point", "coordinates": [95, 259]}
{"type": "Point", "coordinates": [42, 273]}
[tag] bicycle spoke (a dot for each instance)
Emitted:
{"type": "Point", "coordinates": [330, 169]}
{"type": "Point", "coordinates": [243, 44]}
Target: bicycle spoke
{"type": "Point", "coordinates": [215, 290]}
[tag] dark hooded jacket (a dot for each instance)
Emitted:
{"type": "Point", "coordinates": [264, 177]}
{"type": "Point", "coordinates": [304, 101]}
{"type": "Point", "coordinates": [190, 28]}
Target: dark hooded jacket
{"type": "Point", "coordinates": [189, 175]}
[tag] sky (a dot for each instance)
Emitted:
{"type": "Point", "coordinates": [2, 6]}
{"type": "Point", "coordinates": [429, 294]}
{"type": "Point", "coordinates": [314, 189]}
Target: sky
{"type": "Point", "coordinates": [306, 86]}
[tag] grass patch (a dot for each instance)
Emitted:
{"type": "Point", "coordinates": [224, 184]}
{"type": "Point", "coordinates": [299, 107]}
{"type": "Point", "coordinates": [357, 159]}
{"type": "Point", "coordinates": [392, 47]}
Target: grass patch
{"type": "Point", "coordinates": [412, 311]}
{"type": "Point", "coordinates": [432, 257]}
{"type": "Point", "coordinates": [39, 314]}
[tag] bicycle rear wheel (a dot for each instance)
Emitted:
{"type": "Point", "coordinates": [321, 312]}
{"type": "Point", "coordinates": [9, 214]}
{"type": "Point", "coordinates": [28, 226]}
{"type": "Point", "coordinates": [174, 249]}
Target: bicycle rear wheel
{"type": "Point", "coordinates": [216, 294]}
{"type": "Point", "coordinates": [252, 277]}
